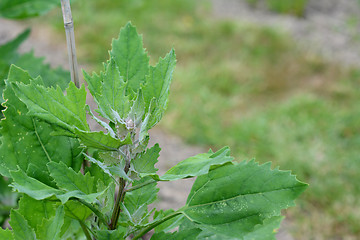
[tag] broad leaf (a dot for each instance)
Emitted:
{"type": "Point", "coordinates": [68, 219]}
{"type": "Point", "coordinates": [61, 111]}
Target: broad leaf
{"type": "Point", "coordinates": [35, 212]}
{"type": "Point", "coordinates": [19, 9]}
{"type": "Point", "coordinates": [238, 197]}
{"type": "Point", "coordinates": [26, 140]}
{"type": "Point", "coordinates": [21, 229]}
{"type": "Point", "coordinates": [267, 231]}
{"type": "Point", "coordinates": [130, 57]}
{"type": "Point", "coordinates": [198, 165]}
{"type": "Point", "coordinates": [32, 187]}
{"type": "Point", "coordinates": [181, 235]}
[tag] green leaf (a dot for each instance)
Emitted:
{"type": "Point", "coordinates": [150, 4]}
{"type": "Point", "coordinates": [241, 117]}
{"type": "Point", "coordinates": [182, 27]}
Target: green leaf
{"type": "Point", "coordinates": [158, 84]}
{"type": "Point", "coordinates": [198, 165]}
{"type": "Point", "coordinates": [144, 163]}
{"type": "Point", "coordinates": [7, 197]}
{"type": "Point", "coordinates": [236, 198]}
{"type": "Point", "coordinates": [6, 234]}
{"type": "Point", "coordinates": [51, 228]}
{"type": "Point", "coordinates": [67, 179]}
{"type": "Point", "coordinates": [19, 9]}
{"type": "Point", "coordinates": [8, 50]}
{"type": "Point", "coordinates": [181, 235]}
{"type": "Point", "coordinates": [130, 57]}
{"type": "Point", "coordinates": [75, 210]}
{"type": "Point", "coordinates": [101, 141]}
{"type": "Point", "coordinates": [21, 229]}
{"type": "Point", "coordinates": [35, 212]}
{"type": "Point", "coordinates": [266, 231]}
{"type": "Point", "coordinates": [53, 106]}
{"type": "Point", "coordinates": [32, 187]}
{"type": "Point", "coordinates": [26, 142]}
{"type": "Point", "coordinates": [136, 201]}
{"type": "Point", "coordinates": [111, 234]}
{"type": "Point", "coordinates": [35, 66]}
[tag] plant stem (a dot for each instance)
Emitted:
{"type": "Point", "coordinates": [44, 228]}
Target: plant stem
{"type": "Point", "coordinates": [84, 228]}
{"type": "Point", "coordinates": [152, 225]}
{"type": "Point", "coordinates": [121, 194]}
{"type": "Point", "coordinates": [70, 39]}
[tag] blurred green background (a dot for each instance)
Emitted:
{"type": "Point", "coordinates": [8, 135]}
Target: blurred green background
{"type": "Point", "coordinates": [252, 88]}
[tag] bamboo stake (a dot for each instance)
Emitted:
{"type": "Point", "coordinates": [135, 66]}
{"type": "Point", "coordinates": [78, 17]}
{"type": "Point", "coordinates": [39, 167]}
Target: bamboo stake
{"type": "Point", "coordinates": [70, 40]}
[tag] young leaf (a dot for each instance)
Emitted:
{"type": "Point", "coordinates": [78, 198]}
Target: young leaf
{"type": "Point", "coordinates": [157, 85]}
{"type": "Point", "coordinates": [198, 165]}
{"type": "Point", "coordinates": [144, 163]}
{"type": "Point", "coordinates": [53, 106]}
{"type": "Point", "coordinates": [238, 197]}
{"type": "Point", "coordinates": [108, 90]}
{"type": "Point", "coordinates": [21, 229]}
{"type": "Point", "coordinates": [130, 57]}
{"type": "Point", "coordinates": [100, 140]}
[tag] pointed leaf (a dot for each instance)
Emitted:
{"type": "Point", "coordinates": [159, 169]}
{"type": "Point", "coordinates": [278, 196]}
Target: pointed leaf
{"type": "Point", "coordinates": [53, 106]}
{"type": "Point", "coordinates": [130, 57]}
{"type": "Point", "coordinates": [198, 165]}
{"type": "Point", "coordinates": [100, 140]}
{"type": "Point", "coordinates": [21, 229]}
{"type": "Point", "coordinates": [238, 197]}
{"type": "Point", "coordinates": [67, 179]}
{"type": "Point", "coordinates": [144, 163]}
{"type": "Point", "coordinates": [157, 85]}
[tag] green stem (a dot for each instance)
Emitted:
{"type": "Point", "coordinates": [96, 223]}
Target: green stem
{"type": "Point", "coordinates": [121, 195]}
{"type": "Point", "coordinates": [140, 185]}
{"type": "Point", "coordinates": [92, 208]}
{"type": "Point", "coordinates": [84, 228]}
{"type": "Point", "coordinates": [154, 224]}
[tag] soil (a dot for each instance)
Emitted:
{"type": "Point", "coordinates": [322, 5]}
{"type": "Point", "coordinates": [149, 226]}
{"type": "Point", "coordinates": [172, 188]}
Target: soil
{"type": "Point", "coordinates": [330, 28]}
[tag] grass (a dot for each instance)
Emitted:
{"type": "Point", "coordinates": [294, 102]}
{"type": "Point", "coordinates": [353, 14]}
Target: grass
{"type": "Point", "coordinates": [293, 7]}
{"type": "Point", "coordinates": [249, 87]}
